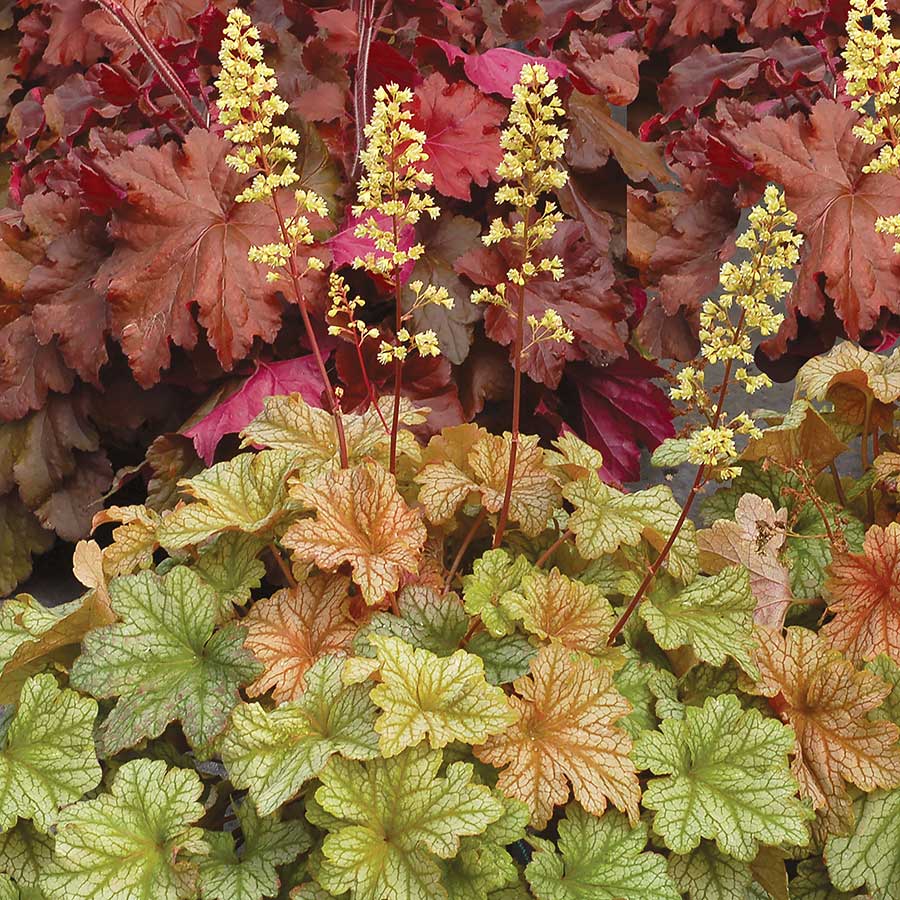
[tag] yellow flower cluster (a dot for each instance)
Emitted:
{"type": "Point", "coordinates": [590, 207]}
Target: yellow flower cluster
{"type": "Point", "coordinates": [249, 104]}
{"type": "Point", "coordinates": [426, 343]}
{"type": "Point", "coordinates": [392, 186]}
{"type": "Point", "coordinates": [872, 70]}
{"type": "Point", "coordinates": [533, 144]}
{"type": "Point", "coordinates": [343, 310]}
{"type": "Point", "coordinates": [750, 288]}
{"type": "Point", "coordinates": [392, 182]}
{"type": "Point", "coordinates": [550, 327]}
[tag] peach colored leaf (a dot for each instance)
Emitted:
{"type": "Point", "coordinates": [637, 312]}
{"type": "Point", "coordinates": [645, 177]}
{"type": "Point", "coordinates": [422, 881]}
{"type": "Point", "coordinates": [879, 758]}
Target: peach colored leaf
{"type": "Point", "coordinates": [754, 540]}
{"type": "Point", "coordinates": [562, 610]}
{"type": "Point", "coordinates": [567, 733]}
{"type": "Point", "coordinates": [482, 468]}
{"type": "Point", "coordinates": [361, 519]}
{"type": "Point", "coordinates": [827, 701]}
{"type": "Point", "coordinates": [863, 591]}
{"type": "Point", "coordinates": [293, 628]}
{"type": "Point", "coordinates": [133, 540]}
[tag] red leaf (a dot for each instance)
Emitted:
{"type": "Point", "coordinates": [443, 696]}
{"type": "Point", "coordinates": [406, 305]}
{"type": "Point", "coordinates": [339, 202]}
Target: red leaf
{"type": "Point", "coordinates": [497, 70]}
{"type": "Point", "coordinates": [184, 241]}
{"type": "Point", "coordinates": [290, 376]}
{"type": "Point", "coordinates": [583, 298]}
{"type": "Point", "coordinates": [622, 410]}
{"type": "Point", "coordinates": [462, 135]}
{"type": "Point", "coordinates": [819, 162]}
{"type": "Point", "coordinates": [345, 246]}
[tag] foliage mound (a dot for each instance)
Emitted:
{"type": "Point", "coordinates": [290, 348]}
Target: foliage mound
{"type": "Point", "coordinates": [371, 651]}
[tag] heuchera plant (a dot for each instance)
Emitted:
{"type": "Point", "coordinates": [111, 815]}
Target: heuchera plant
{"type": "Point", "coordinates": [347, 663]}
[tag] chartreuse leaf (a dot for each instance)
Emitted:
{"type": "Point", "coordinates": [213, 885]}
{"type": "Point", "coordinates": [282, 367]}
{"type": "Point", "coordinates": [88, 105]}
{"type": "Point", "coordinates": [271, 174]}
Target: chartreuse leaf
{"type": "Point", "coordinates": [568, 733]}
{"type": "Point", "coordinates": [25, 854]}
{"type": "Point", "coordinates": [247, 493]}
{"type": "Point", "coordinates": [394, 820]}
{"type": "Point", "coordinates": [713, 615]}
{"type": "Point", "coordinates": [604, 519]}
{"type": "Point", "coordinates": [493, 576]}
{"type": "Point", "coordinates": [706, 873]}
{"type": "Point", "coordinates": [889, 672]}
{"type": "Point", "coordinates": [361, 519]}
{"type": "Point", "coordinates": [231, 567]}
{"type": "Point", "coordinates": [47, 755]}
{"type": "Point", "coordinates": [32, 636]}
{"type": "Point", "coordinates": [599, 859]}
{"type": "Point", "coordinates": [442, 698]}
{"type": "Point", "coordinates": [870, 856]}
{"type": "Point", "coordinates": [165, 660]}
{"type": "Point", "coordinates": [812, 883]}
{"type": "Point", "coordinates": [483, 864]}
{"type": "Point", "coordinates": [273, 754]}
{"type": "Point", "coordinates": [248, 872]}
{"type": "Point", "coordinates": [725, 776]}
{"type": "Point", "coordinates": [137, 842]}
{"type": "Point", "coordinates": [428, 620]}
{"type": "Point", "coordinates": [436, 622]}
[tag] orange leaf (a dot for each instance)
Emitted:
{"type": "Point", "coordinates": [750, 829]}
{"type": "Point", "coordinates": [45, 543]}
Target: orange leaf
{"type": "Point", "coordinates": [361, 520]}
{"type": "Point", "coordinates": [567, 733]}
{"type": "Point", "coordinates": [291, 629]}
{"type": "Point", "coordinates": [864, 591]}
{"type": "Point", "coordinates": [827, 702]}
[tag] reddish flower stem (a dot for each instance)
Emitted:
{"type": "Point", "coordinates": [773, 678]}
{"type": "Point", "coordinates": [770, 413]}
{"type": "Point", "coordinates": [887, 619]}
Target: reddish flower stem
{"type": "Point", "coordinates": [157, 61]}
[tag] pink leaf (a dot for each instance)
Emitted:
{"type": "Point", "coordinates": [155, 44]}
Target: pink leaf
{"type": "Point", "coordinates": [497, 70]}
{"type": "Point", "coordinates": [346, 246]}
{"type": "Point", "coordinates": [290, 376]}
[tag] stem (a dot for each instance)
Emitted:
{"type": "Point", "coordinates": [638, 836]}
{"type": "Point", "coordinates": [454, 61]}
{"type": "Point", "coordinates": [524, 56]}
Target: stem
{"type": "Point", "coordinates": [285, 569]}
{"type": "Point", "coordinates": [370, 388]}
{"type": "Point", "coordinates": [457, 560]}
{"type": "Point", "coordinates": [157, 61]}
{"type": "Point", "coordinates": [864, 457]}
{"type": "Point", "coordinates": [838, 486]}
{"type": "Point", "coordinates": [699, 481]}
{"type": "Point", "coordinates": [553, 547]}
{"type": "Point", "coordinates": [517, 396]}
{"type": "Point", "coordinates": [335, 408]}
{"type": "Point", "coordinates": [398, 363]}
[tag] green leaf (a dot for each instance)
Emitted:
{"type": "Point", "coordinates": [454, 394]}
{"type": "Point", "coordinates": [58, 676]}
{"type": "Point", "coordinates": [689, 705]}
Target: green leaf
{"type": "Point", "coordinates": [870, 856]}
{"type": "Point", "coordinates": [889, 672]}
{"type": "Point", "coordinates": [395, 820]}
{"type": "Point", "coordinates": [604, 519]}
{"type": "Point", "coordinates": [273, 754]}
{"type": "Point", "coordinates": [444, 699]}
{"type": "Point", "coordinates": [708, 874]}
{"type": "Point", "coordinates": [165, 660]}
{"type": "Point", "coordinates": [427, 620]}
{"type": "Point", "coordinates": [812, 883]}
{"type": "Point", "coordinates": [231, 568]}
{"type": "Point", "coordinates": [247, 493]}
{"type": "Point", "coordinates": [47, 755]}
{"type": "Point", "coordinates": [21, 537]}
{"type": "Point", "coordinates": [505, 659]}
{"type": "Point", "coordinates": [671, 453]}
{"type": "Point", "coordinates": [713, 615]}
{"type": "Point", "coordinates": [483, 865]}
{"type": "Point", "coordinates": [725, 776]}
{"type": "Point", "coordinates": [249, 873]}
{"type": "Point", "coordinates": [133, 843]}
{"type": "Point", "coordinates": [493, 576]}
{"type": "Point", "coordinates": [25, 854]}
{"type": "Point", "coordinates": [600, 859]}
{"type": "Point", "coordinates": [643, 685]}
